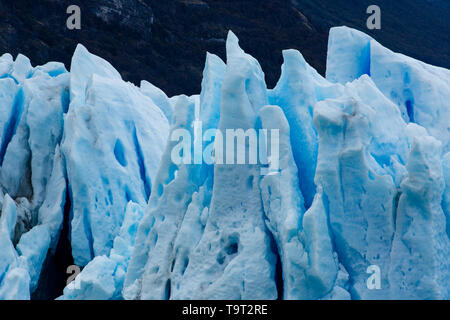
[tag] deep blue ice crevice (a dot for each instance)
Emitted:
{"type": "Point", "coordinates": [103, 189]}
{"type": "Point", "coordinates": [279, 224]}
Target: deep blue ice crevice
{"type": "Point", "coordinates": [446, 196]}
{"type": "Point", "coordinates": [299, 89]}
{"type": "Point", "coordinates": [233, 258]}
{"type": "Point", "coordinates": [103, 110]}
{"type": "Point", "coordinates": [11, 126]}
{"type": "Point", "coordinates": [103, 277]}
{"type": "Point", "coordinates": [308, 264]}
{"type": "Point", "coordinates": [149, 269]}
{"type": "Point", "coordinates": [140, 160]}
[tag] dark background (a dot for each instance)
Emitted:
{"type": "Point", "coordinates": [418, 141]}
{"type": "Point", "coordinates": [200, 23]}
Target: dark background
{"type": "Point", "coordinates": [165, 41]}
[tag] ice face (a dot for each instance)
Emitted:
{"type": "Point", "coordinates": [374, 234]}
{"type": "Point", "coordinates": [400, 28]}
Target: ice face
{"type": "Point", "coordinates": [419, 259]}
{"type": "Point", "coordinates": [348, 56]}
{"type": "Point", "coordinates": [83, 66]}
{"type": "Point", "coordinates": [358, 191]}
{"type": "Point", "coordinates": [158, 97]}
{"type": "Point", "coordinates": [32, 171]}
{"type": "Point", "coordinates": [103, 277]}
{"type": "Point", "coordinates": [110, 122]}
{"type": "Point", "coordinates": [419, 90]}
{"type": "Point", "coordinates": [232, 258]}
{"type": "Point", "coordinates": [357, 207]}
{"type": "Point", "coordinates": [303, 239]}
{"type": "Point", "coordinates": [297, 92]}
{"type": "Point", "coordinates": [15, 282]}
{"type": "Point", "coordinates": [190, 242]}
{"type": "Point", "coordinates": [167, 205]}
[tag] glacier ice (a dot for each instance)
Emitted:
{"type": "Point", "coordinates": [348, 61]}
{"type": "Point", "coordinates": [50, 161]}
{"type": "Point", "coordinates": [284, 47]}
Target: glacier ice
{"type": "Point", "coordinates": [117, 126]}
{"type": "Point", "coordinates": [405, 81]}
{"type": "Point", "coordinates": [32, 171]}
{"type": "Point", "coordinates": [234, 237]}
{"type": "Point", "coordinates": [103, 277]}
{"type": "Point", "coordinates": [158, 227]}
{"type": "Point", "coordinates": [303, 239]}
{"type": "Point", "coordinates": [362, 182]}
{"type": "Point", "coordinates": [299, 89]}
{"type": "Point", "coordinates": [446, 197]}
{"type": "Point", "coordinates": [200, 266]}
{"type": "Point", "coordinates": [421, 271]}
{"type": "Point", "coordinates": [158, 97]}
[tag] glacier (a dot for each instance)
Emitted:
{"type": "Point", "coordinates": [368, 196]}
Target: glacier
{"type": "Point", "coordinates": [362, 180]}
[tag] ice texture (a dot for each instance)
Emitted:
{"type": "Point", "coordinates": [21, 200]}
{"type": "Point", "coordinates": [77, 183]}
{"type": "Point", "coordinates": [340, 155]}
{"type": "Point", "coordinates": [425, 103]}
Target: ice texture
{"type": "Point", "coordinates": [112, 124]}
{"type": "Point", "coordinates": [420, 268]}
{"type": "Point", "coordinates": [420, 90]}
{"type": "Point", "coordinates": [303, 239]}
{"type": "Point", "coordinates": [139, 188]}
{"type": "Point", "coordinates": [103, 277]}
{"type": "Point", "coordinates": [158, 97]}
{"type": "Point", "coordinates": [299, 89]}
{"type": "Point", "coordinates": [167, 262]}
{"type": "Point", "coordinates": [36, 192]}
{"type": "Point", "coordinates": [32, 173]}
{"type": "Point", "coordinates": [233, 257]}
{"type": "Point", "coordinates": [446, 197]}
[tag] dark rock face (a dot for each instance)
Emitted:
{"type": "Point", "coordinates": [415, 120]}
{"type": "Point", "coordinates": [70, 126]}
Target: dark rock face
{"type": "Point", "coordinates": [165, 41]}
{"type": "Point", "coordinates": [132, 14]}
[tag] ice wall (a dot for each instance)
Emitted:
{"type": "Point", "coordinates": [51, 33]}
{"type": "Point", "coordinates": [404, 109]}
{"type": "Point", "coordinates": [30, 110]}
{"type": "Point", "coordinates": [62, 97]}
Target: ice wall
{"type": "Point", "coordinates": [357, 207]}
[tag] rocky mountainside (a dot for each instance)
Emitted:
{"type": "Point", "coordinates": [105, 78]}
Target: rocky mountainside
{"type": "Point", "coordinates": [165, 41]}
